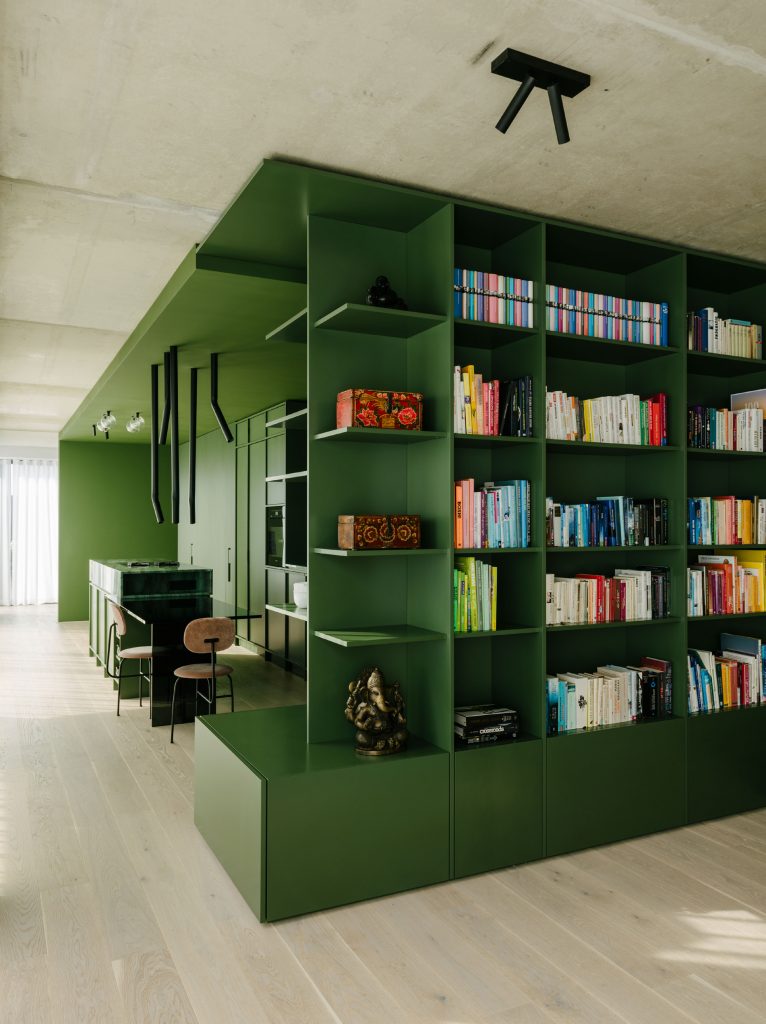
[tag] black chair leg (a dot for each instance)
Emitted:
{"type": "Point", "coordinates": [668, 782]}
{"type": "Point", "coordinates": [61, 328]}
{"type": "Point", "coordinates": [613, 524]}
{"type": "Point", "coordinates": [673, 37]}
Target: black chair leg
{"type": "Point", "coordinates": [119, 685]}
{"type": "Point", "coordinates": [231, 688]}
{"type": "Point", "coordinates": [173, 709]}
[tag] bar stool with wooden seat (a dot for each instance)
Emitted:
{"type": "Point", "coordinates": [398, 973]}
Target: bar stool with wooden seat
{"type": "Point", "coordinates": [117, 630]}
{"type": "Point", "coordinates": [203, 636]}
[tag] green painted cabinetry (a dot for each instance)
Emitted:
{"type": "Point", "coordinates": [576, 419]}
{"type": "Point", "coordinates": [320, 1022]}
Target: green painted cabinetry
{"type": "Point", "coordinates": [543, 795]}
{"type": "Point", "coordinates": [315, 827]}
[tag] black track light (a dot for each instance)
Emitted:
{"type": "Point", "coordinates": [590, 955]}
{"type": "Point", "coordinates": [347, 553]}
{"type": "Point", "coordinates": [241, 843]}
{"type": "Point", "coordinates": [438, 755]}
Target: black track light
{"type": "Point", "coordinates": [533, 72]}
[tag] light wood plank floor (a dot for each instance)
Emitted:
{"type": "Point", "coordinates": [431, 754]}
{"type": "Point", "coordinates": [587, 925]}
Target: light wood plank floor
{"type": "Point", "coordinates": [112, 908]}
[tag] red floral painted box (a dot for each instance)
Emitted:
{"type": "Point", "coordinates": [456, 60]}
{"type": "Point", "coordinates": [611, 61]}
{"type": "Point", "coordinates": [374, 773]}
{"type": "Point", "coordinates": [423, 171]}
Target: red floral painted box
{"type": "Point", "coordinates": [392, 410]}
{"type": "Point", "coordinates": [357, 533]}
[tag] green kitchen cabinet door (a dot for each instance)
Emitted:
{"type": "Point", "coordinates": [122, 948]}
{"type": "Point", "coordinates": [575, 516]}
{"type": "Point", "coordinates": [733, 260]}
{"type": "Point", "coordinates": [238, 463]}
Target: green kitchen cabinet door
{"type": "Point", "coordinates": [726, 753]}
{"type": "Point", "coordinates": [257, 534]}
{"type": "Point", "coordinates": [614, 783]}
{"type": "Point", "coordinates": [498, 806]}
{"type": "Point", "coordinates": [352, 834]}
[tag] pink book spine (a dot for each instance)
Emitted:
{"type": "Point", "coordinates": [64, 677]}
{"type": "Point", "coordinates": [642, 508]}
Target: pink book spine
{"type": "Point", "coordinates": [497, 408]}
{"type": "Point", "coordinates": [486, 420]}
{"type": "Point", "coordinates": [493, 298]}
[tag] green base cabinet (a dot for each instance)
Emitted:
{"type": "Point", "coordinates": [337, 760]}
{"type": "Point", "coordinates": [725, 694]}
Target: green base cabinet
{"type": "Point", "coordinates": [614, 784]}
{"type": "Point", "coordinates": [498, 807]}
{"type": "Point", "coordinates": [726, 762]}
{"type": "Point", "coordinates": [318, 827]}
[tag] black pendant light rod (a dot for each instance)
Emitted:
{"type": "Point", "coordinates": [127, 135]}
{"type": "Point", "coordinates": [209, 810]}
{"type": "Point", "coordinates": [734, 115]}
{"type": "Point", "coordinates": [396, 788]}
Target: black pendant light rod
{"type": "Point", "coordinates": [516, 104]}
{"type": "Point", "coordinates": [166, 408]}
{"type": "Point", "coordinates": [174, 446]}
{"type": "Point", "coordinates": [155, 469]}
{"type": "Point", "coordinates": [214, 398]}
{"type": "Point", "coordinates": [533, 72]}
{"type": "Point", "coordinates": [193, 445]}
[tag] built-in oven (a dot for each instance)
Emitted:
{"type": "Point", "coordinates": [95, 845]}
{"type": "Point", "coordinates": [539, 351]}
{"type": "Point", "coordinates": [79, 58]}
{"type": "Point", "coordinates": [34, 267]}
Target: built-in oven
{"type": "Point", "coordinates": [275, 535]}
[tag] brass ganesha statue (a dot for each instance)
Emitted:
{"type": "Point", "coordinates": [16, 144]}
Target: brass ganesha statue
{"type": "Point", "coordinates": [376, 708]}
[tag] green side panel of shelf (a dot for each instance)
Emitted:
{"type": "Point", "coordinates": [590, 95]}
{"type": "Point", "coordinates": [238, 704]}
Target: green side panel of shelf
{"type": "Point", "coordinates": [613, 784]}
{"type": "Point", "coordinates": [726, 762]}
{"type": "Point", "coordinates": [498, 806]}
{"type": "Point", "coordinates": [230, 812]}
{"type": "Point", "coordinates": [375, 828]}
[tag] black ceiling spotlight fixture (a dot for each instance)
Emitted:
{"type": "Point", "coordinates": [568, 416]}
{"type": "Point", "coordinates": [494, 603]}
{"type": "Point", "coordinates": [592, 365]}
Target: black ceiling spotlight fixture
{"type": "Point", "coordinates": [533, 72]}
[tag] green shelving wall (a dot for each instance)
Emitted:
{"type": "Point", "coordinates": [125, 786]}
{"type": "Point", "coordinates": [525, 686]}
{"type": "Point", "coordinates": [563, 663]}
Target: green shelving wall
{"type": "Point", "coordinates": [543, 795]}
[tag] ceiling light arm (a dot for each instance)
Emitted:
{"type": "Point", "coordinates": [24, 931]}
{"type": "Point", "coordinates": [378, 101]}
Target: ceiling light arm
{"type": "Point", "coordinates": [155, 468]}
{"type": "Point", "coordinates": [193, 446]}
{"type": "Point", "coordinates": [516, 104]}
{"type": "Point", "coordinates": [174, 440]}
{"type": "Point", "coordinates": [166, 407]}
{"type": "Point", "coordinates": [214, 398]}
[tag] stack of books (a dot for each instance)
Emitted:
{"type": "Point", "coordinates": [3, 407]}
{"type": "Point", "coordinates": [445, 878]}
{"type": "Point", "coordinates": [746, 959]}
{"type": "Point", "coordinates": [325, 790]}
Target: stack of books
{"type": "Point", "coordinates": [607, 522]}
{"type": "Point", "coordinates": [612, 695]}
{"type": "Point", "coordinates": [735, 677]}
{"type": "Point", "coordinates": [572, 311]}
{"type": "Point", "coordinates": [495, 407]}
{"type": "Point", "coordinates": [493, 298]}
{"type": "Point", "coordinates": [708, 332]}
{"type": "Point", "coordinates": [591, 598]}
{"type": "Point", "coordinates": [498, 515]}
{"type": "Point", "coordinates": [727, 583]}
{"type": "Point", "coordinates": [474, 596]}
{"type": "Point", "coordinates": [610, 419]}
{"type": "Point", "coordinates": [727, 520]}
{"type": "Point", "coordinates": [478, 724]}
{"type": "Point", "coordinates": [724, 429]}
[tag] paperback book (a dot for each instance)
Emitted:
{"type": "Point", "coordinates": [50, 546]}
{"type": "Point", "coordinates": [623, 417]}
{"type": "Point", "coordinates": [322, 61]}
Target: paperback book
{"type": "Point", "coordinates": [642, 592]}
{"type": "Point", "coordinates": [572, 311]}
{"type": "Point", "coordinates": [474, 596]}
{"type": "Point", "coordinates": [612, 695]}
{"type": "Point", "coordinates": [496, 515]}
{"type": "Point", "coordinates": [609, 419]}
{"type": "Point", "coordinates": [493, 298]}
{"type": "Point", "coordinates": [615, 521]}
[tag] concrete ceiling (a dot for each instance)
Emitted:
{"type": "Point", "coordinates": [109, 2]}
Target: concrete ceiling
{"type": "Point", "coordinates": [128, 125]}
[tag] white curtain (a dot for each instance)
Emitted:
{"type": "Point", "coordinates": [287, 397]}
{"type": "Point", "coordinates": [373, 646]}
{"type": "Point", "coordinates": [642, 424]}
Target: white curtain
{"type": "Point", "coordinates": [5, 531]}
{"type": "Point", "coordinates": [29, 534]}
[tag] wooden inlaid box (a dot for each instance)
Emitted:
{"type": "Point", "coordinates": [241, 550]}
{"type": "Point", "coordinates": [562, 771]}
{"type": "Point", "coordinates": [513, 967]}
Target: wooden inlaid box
{"type": "Point", "coordinates": [392, 410]}
{"type": "Point", "coordinates": [356, 533]}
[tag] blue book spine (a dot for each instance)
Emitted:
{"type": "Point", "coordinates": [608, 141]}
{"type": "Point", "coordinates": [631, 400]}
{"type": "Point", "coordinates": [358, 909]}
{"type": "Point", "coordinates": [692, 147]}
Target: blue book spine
{"type": "Point", "coordinates": [457, 280]}
{"type": "Point", "coordinates": [664, 314]}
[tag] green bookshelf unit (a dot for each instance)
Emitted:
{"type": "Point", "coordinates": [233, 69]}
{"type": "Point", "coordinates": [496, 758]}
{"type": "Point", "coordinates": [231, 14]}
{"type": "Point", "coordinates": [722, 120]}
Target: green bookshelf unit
{"type": "Point", "coordinates": [307, 823]}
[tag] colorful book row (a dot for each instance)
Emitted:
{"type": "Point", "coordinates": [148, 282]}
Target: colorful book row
{"type": "Point", "coordinates": [591, 598]}
{"type": "Point", "coordinates": [495, 407]}
{"type": "Point", "coordinates": [572, 311]}
{"type": "Point", "coordinates": [607, 522]}
{"type": "Point", "coordinates": [727, 520]}
{"type": "Point", "coordinates": [708, 332]}
{"type": "Point", "coordinates": [493, 298]}
{"type": "Point", "coordinates": [609, 419]}
{"type": "Point", "coordinates": [734, 677]}
{"type": "Point", "coordinates": [612, 695]}
{"type": "Point", "coordinates": [724, 429]}
{"type": "Point", "coordinates": [497, 515]}
{"type": "Point", "coordinates": [474, 596]}
{"type": "Point", "coordinates": [727, 583]}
